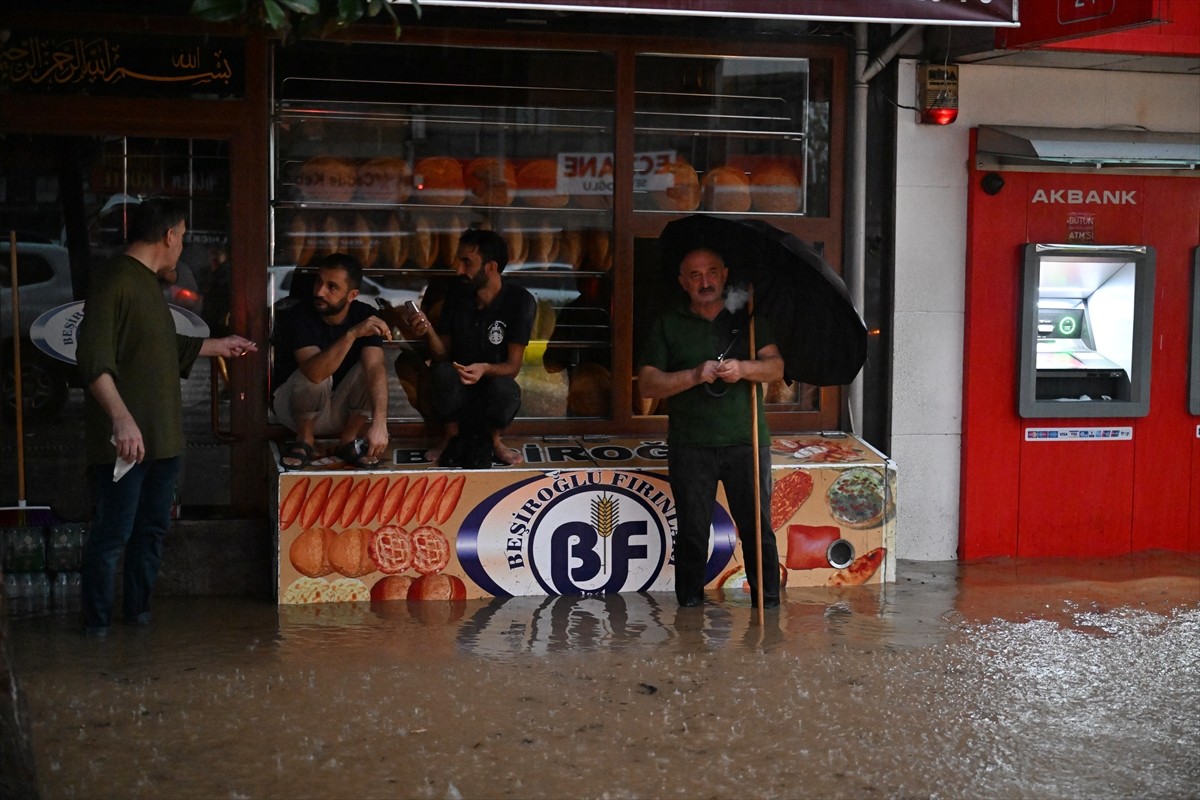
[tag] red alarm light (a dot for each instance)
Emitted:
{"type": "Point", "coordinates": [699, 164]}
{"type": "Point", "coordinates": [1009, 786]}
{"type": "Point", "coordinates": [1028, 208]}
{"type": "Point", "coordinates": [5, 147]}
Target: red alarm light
{"type": "Point", "coordinates": [939, 116]}
{"type": "Point", "coordinates": [937, 93]}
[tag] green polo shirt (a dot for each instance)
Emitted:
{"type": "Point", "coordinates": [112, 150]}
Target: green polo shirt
{"type": "Point", "coordinates": [128, 332]}
{"type": "Point", "coordinates": [681, 339]}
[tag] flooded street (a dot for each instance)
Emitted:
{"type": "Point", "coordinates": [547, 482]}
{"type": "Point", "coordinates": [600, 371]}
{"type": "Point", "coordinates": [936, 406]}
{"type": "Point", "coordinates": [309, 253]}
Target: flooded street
{"type": "Point", "coordinates": [1001, 679]}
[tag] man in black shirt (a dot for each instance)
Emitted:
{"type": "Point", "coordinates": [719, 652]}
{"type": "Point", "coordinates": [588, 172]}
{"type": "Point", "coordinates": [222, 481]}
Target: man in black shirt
{"type": "Point", "coordinates": [477, 350]}
{"type": "Point", "coordinates": [329, 369]}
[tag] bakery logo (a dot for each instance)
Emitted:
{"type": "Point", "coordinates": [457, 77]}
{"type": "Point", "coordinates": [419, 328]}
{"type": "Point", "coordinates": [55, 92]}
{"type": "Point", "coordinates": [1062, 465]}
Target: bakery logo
{"type": "Point", "coordinates": [495, 333]}
{"type": "Point", "coordinates": [580, 533]}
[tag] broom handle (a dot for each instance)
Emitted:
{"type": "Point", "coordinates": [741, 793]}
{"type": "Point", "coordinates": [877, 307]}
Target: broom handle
{"type": "Point", "coordinates": [758, 531]}
{"type": "Point", "coordinates": [17, 388]}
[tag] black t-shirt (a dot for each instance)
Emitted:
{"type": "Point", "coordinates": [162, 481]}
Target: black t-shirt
{"type": "Point", "coordinates": [301, 326]}
{"type": "Point", "coordinates": [482, 335]}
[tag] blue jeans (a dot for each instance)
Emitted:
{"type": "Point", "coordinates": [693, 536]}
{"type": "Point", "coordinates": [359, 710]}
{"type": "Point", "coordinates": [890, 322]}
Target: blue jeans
{"type": "Point", "coordinates": [694, 473]}
{"type": "Point", "coordinates": [130, 516]}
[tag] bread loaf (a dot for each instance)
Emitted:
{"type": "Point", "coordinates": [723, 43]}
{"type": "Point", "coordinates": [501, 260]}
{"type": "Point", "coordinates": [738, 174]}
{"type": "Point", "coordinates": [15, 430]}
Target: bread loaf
{"type": "Point", "coordinates": [537, 184]}
{"type": "Point", "coordinates": [570, 248]}
{"type": "Point", "coordinates": [297, 245]}
{"type": "Point", "coordinates": [492, 182]}
{"type": "Point", "coordinates": [327, 238]}
{"type": "Point", "coordinates": [359, 242]}
{"type": "Point", "coordinates": [438, 181]}
{"type": "Point", "coordinates": [543, 243]}
{"type": "Point", "coordinates": [683, 193]}
{"type": "Point", "coordinates": [725, 189]}
{"type": "Point", "coordinates": [775, 188]}
{"type": "Point", "coordinates": [327, 179]}
{"type": "Point", "coordinates": [598, 250]}
{"type": "Point", "coordinates": [448, 238]}
{"type": "Point", "coordinates": [424, 248]}
{"type": "Point", "coordinates": [393, 243]}
{"type": "Point", "coordinates": [514, 237]}
{"type": "Point", "coordinates": [386, 179]}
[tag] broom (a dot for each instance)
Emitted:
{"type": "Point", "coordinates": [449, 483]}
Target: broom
{"type": "Point", "coordinates": [21, 515]}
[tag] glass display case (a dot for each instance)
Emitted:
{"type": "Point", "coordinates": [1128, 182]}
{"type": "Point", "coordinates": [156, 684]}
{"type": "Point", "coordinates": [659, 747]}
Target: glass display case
{"type": "Point", "coordinates": [1086, 320]}
{"type": "Point", "coordinates": [389, 152]}
{"type": "Point", "coordinates": [392, 156]}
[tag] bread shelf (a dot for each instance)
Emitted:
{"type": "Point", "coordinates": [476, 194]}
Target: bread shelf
{"type": "Point", "coordinates": [447, 210]}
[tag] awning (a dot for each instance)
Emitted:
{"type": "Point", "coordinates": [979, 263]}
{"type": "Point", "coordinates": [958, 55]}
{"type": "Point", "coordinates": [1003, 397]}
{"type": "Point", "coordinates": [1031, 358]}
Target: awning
{"type": "Point", "coordinates": [958, 12]}
{"type": "Point", "coordinates": [1087, 147]}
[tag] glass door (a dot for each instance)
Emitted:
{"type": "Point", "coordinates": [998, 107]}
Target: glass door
{"type": "Point", "coordinates": [69, 201]}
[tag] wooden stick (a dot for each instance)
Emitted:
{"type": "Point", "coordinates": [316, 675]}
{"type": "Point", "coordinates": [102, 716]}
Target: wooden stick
{"type": "Point", "coordinates": [758, 531]}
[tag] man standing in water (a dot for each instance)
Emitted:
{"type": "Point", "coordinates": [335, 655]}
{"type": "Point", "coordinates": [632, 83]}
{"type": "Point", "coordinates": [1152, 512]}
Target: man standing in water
{"type": "Point", "coordinates": [696, 350]}
{"type": "Point", "coordinates": [131, 360]}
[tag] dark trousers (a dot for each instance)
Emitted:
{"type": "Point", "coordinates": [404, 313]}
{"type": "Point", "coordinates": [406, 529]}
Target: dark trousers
{"type": "Point", "coordinates": [130, 516]}
{"type": "Point", "coordinates": [694, 473]}
{"type": "Point", "coordinates": [489, 405]}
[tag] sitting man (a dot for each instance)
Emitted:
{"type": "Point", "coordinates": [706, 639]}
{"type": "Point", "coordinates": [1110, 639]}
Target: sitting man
{"type": "Point", "coordinates": [329, 369]}
{"type": "Point", "coordinates": [477, 351]}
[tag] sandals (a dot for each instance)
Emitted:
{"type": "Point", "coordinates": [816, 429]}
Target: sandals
{"type": "Point", "coordinates": [355, 454]}
{"type": "Point", "coordinates": [296, 455]}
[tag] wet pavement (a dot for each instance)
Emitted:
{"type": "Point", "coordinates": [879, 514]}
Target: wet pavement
{"type": "Point", "coordinates": [998, 679]}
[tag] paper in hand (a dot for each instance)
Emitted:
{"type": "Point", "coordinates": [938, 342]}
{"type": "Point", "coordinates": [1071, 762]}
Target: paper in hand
{"type": "Point", "coordinates": [121, 466]}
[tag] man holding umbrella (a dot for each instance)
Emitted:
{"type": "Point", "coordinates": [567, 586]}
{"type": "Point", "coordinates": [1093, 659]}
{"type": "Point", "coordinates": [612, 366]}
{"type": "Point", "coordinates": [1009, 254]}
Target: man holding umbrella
{"type": "Point", "coordinates": [699, 355]}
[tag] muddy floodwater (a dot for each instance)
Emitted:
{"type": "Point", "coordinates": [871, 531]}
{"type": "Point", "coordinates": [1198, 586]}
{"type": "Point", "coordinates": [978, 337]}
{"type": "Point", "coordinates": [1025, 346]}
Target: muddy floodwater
{"type": "Point", "coordinates": [999, 679]}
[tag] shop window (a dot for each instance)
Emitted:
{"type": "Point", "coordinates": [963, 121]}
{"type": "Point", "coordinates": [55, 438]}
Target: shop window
{"type": "Point", "coordinates": [726, 136]}
{"type": "Point", "coordinates": [390, 153]}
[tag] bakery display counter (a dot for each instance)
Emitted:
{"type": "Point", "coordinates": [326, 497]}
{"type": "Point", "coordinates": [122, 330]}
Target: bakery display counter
{"type": "Point", "coordinates": [582, 515]}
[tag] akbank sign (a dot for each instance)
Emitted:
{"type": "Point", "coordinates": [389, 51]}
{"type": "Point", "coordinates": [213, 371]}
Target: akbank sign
{"type": "Point", "coordinates": [581, 532]}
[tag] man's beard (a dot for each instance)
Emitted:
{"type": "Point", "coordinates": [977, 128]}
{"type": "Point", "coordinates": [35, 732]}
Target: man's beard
{"type": "Point", "coordinates": [326, 309]}
{"type": "Point", "coordinates": [475, 282]}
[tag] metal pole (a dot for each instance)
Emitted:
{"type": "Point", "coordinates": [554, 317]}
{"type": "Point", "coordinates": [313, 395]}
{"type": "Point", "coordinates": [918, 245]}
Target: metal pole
{"type": "Point", "coordinates": [857, 206]}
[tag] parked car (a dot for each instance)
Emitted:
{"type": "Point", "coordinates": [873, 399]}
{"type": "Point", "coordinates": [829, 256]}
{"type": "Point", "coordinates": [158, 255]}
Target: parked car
{"type": "Point", "coordinates": [374, 291]}
{"type": "Point", "coordinates": [44, 282]}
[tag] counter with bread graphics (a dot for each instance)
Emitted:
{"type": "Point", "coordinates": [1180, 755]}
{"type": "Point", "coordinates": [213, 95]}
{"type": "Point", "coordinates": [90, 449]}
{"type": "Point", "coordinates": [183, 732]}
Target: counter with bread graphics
{"type": "Point", "coordinates": [582, 515]}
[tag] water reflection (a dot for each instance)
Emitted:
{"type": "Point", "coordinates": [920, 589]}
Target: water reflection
{"type": "Point", "coordinates": [957, 680]}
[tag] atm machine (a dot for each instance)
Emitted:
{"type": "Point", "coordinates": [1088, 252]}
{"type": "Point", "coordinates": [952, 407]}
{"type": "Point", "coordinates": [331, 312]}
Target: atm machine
{"type": "Point", "coordinates": [1085, 331]}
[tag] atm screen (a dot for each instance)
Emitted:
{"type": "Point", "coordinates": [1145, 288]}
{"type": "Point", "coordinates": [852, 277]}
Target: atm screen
{"type": "Point", "coordinates": [1060, 323]}
{"type": "Point", "coordinates": [1086, 317]}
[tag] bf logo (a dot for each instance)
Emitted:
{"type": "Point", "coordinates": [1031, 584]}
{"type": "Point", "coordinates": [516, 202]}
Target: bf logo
{"type": "Point", "coordinates": [583, 553]}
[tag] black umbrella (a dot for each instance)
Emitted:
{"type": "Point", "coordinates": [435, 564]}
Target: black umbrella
{"type": "Point", "coordinates": [819, 333]}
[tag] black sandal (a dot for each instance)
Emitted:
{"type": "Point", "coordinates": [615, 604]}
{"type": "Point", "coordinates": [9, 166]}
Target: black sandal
{"type": "Point", "coordinates": [296, 455]}
{"type": "Point", "coordinates": [355, 454]}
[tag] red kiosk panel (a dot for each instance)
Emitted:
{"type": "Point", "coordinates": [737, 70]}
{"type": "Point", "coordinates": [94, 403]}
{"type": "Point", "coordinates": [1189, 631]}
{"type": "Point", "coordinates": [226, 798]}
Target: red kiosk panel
{"type": "Point", "coordinates": [1109, 485]}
